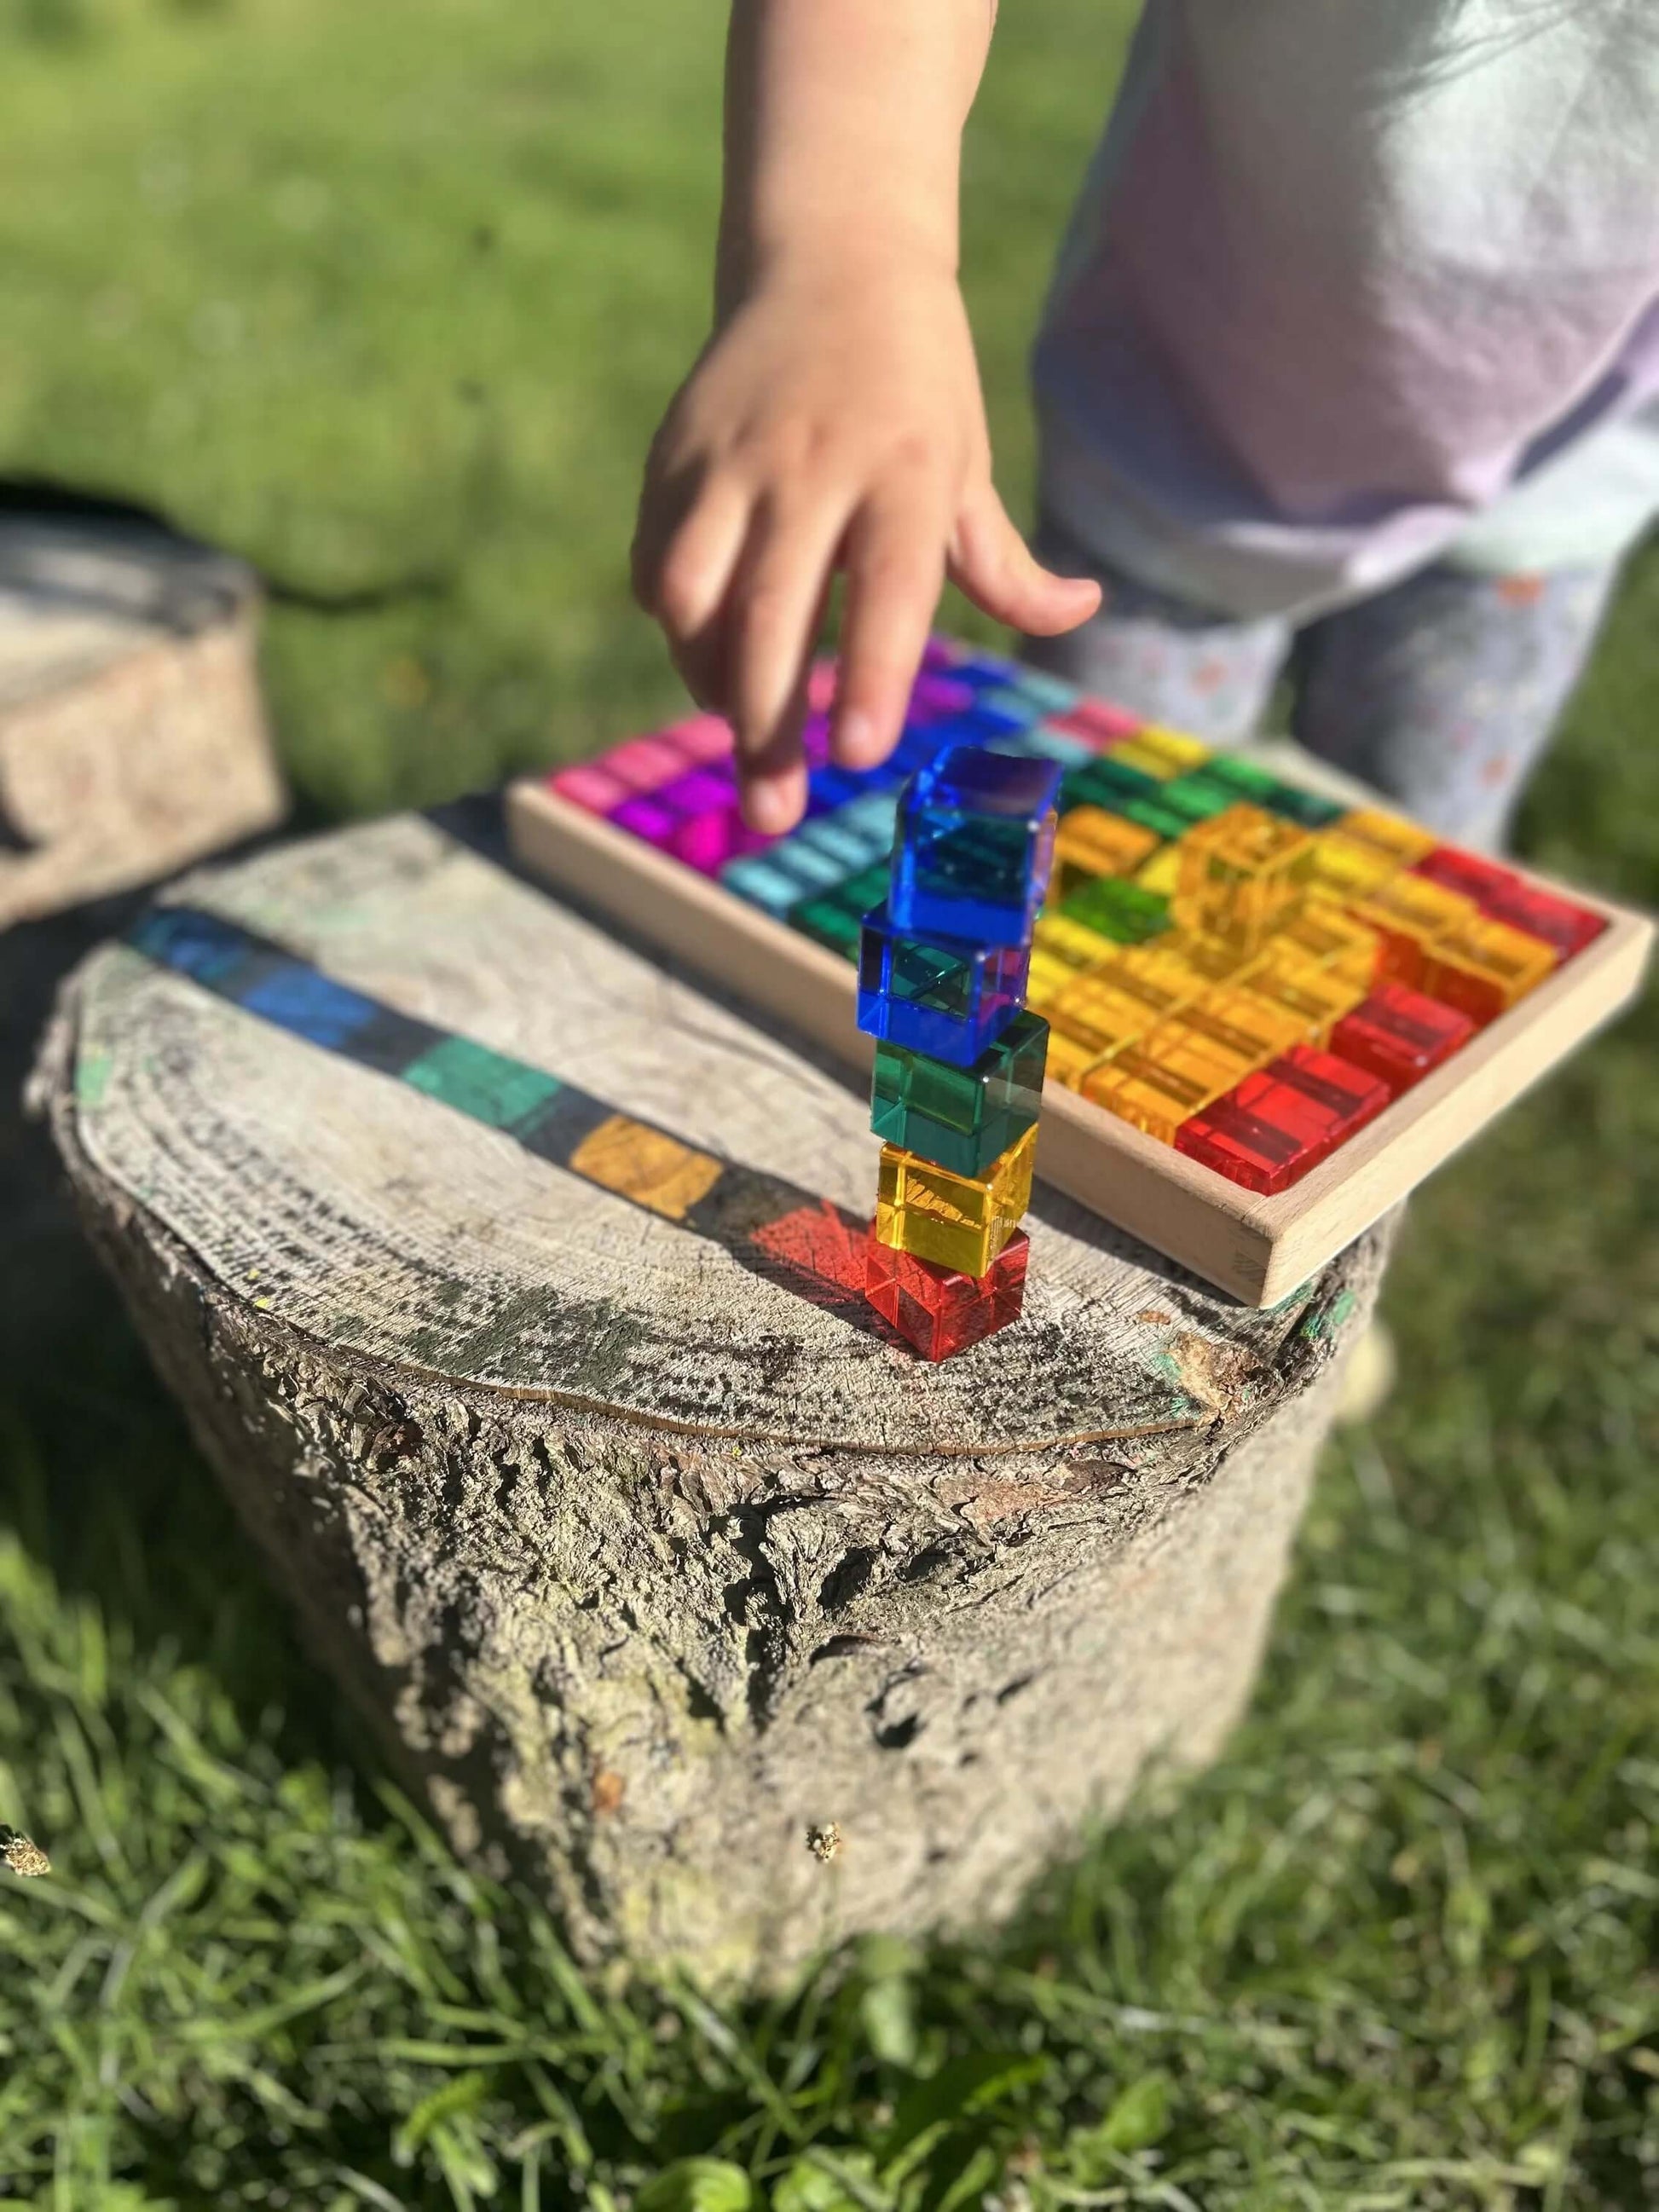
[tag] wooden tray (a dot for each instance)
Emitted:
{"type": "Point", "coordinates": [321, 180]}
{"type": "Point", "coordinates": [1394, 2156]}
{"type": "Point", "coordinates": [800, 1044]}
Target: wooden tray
{"type": "Point", "coordinates": [1258, 1247]}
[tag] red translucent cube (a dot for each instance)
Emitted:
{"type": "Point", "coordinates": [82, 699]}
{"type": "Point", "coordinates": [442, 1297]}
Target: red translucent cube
{"type": "Point", "coordinates": [1399, 1035]}
{"type": "Point", "coordinates": [939, 1310]}
{"type": "Point", "coordinates": [1262, 1135]}
{"type": "Point", "coordinates": [1272, 1128]}
{"type": "Point", "coordinates": [1350, 1094]}
{"type": "Point", "coordinates": [1503, 896]}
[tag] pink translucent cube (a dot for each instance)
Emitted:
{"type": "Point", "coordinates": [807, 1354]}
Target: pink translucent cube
{"type": "Point", "coordinates": [703, 738]}
{"type": "Point", "coordinates": [589, 786]}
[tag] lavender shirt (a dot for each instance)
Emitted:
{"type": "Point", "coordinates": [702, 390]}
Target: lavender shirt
{"type": "Point", "coordinates": [1356, 284]}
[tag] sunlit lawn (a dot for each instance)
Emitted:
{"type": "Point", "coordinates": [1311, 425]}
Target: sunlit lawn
{"type": "Point", "coordinates": [387, 299]}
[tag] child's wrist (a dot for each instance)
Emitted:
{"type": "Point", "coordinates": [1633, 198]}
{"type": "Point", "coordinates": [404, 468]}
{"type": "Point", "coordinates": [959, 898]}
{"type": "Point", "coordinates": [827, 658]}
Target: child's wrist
{"type": "Point", "coordinates": [842, 258]}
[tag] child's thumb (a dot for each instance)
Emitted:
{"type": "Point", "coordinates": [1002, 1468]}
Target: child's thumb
{"type": "Point", "coordinates": [994, 565]}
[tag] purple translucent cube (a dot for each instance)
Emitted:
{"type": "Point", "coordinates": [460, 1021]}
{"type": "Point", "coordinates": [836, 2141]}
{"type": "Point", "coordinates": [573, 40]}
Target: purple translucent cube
{"type": "Point", "coordinates": [646, 816]}
{"type": "Point", "coordinates": [936, 696]}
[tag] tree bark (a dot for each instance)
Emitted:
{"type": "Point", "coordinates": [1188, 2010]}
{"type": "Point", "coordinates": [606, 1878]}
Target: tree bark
{"type": "Point", "coordinates": [132, 737]}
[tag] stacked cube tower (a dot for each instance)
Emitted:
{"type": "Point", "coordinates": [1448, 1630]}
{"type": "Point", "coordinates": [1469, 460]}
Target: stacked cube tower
{"type": "Point", "coordinates": [942, 966]}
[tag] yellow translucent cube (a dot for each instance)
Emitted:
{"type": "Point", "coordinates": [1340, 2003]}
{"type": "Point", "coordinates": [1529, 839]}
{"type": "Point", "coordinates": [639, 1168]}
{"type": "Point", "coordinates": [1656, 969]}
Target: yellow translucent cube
{"type": "Point", "coordinates": [1092, 842]}
{"type": "Point", "coordinates": [1165, 980]}
{"type": "Point", "coordinates": [1046, 979]}
{"type": "Point", "coordinates": [1318, 997]}
{"type": "Point", "coordinates": [1212, 959]}
{"type": "Point", "coordinates": [956, 1221]}
{"type": "Point", "coordinates": [1324, 935]}
{"type": "Point", "coordinates": [1096, 1013]}
{"type": "Point", "coordinates": [1162, 873]}
{"type": "Point", "coordinates": [1070, 1058]}
{"type": "Point", "coordinates": [1240, 870]}
{"type": "Point", "coordinates": [1403, 841]}
{"type": "Point", "coordinates": [1172, 1075]}
{"type": "Point", "coordinates": [1255, 1029]}
{"type": "Point", "coordinates": [1162, 752]}
{"type": "Point", "coordinates": [1346, 867]}
{"type": "Point", "coordinates": [1061, 938]}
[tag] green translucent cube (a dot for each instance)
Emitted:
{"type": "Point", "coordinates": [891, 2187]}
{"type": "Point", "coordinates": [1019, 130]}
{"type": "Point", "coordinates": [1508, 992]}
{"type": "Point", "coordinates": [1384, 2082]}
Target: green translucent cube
{"type": "Point", "coordinates": [1242, 777]}
{"type": "Point", "coordinates": [1127, 912]}
{"type": "Point", "coordinates": [1196, 797]}
{"type": "Point", "coordinates": [1154, 814]}
{"type": "Point", "coordinates": [1246, 781]}
{"type": "Point", "coordinates": [1106, 783]}
{"type": "Point", "coordinates": [1306, 808]}
{"type": "Point", "coordinates": [828, 922]}
{"type": "Point", "coordinates": [960, 1118]}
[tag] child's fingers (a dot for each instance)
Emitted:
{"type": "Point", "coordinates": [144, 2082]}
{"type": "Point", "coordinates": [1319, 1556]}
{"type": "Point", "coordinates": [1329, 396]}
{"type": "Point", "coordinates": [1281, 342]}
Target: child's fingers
{"type": "Point", "coordinates": [993, 564]}
{"type": "Point", "coordinates": [894, 562]}
{"type": "Point", "coordinates": [776, 599]}
{"type": "Point", "coordinates": [683, 564]}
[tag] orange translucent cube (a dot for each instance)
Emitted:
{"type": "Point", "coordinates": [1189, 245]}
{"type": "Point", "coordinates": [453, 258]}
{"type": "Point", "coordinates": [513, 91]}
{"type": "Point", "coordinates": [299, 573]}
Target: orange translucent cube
{"type": "Point", "coordinates": [1485, 967]}
{"type": "Point", "coordinates": [1092, 842]}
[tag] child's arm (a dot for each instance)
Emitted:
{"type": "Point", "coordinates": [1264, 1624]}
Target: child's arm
{"type": "Point", "coordinates": [834, 417]}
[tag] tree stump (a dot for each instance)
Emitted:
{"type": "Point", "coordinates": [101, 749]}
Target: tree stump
{"type": "Point", "coordinates": [132, 740]}
{"type": "Point", "coordinates": [675, 1580]}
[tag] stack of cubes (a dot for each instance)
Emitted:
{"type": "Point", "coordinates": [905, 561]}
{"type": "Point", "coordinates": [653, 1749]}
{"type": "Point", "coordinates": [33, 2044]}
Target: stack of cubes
{"type": "Point", "coordinates": [943, 967]}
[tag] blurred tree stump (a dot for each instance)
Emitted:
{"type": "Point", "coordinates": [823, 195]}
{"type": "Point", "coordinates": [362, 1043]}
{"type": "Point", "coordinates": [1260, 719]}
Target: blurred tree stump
{"type": "Point", "coordinates": [132, 740]}
{"type": "Point", "coordinates": [676, 1582]}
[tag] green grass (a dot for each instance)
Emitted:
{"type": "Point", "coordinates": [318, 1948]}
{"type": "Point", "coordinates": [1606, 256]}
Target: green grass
{"type": "Point", "coordinates": [388, 301]}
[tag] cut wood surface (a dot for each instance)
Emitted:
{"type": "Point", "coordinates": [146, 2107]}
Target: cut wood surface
{"type": "Point", "coordinates": [132, 738]}
{"type": "Point", "coordinates": [646, 1561]}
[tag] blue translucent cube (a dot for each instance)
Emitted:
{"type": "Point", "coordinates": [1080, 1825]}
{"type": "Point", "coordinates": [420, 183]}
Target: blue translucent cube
{"type": "Point", "coordinates": [976, 843]}
{"type": "Point", "coordinates": [937, 995]}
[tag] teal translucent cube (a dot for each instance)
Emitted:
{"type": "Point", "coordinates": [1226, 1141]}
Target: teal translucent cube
{"type": "Point", "coordinates": [962, 1118]}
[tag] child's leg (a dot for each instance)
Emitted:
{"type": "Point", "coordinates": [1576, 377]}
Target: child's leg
{"type": "Point", "coordinates": [1159, 656]}
{"type": "Point", "coordinates": [1444, 691]}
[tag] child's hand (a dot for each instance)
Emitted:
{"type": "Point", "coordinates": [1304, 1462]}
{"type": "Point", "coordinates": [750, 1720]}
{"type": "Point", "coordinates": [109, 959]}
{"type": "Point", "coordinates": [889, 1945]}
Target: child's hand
{"type": "Point", "coordinates": [834, 421]}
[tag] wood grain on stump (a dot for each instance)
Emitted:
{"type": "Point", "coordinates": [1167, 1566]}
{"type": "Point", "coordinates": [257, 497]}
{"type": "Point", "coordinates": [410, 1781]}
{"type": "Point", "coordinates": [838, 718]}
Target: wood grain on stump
{"type": "Point", "coordinates": [132, 738]}
{"type": "Point", "coordinates": [654, 1553]}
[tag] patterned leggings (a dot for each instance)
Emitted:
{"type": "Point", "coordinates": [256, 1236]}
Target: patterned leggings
{"type": "Point", "coordinates": [1441, 692]}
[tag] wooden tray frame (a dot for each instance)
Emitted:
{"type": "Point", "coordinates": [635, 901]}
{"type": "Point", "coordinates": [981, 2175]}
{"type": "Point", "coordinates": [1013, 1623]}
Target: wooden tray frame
{"type": "Point", "coordinates": [1258, 1248]}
